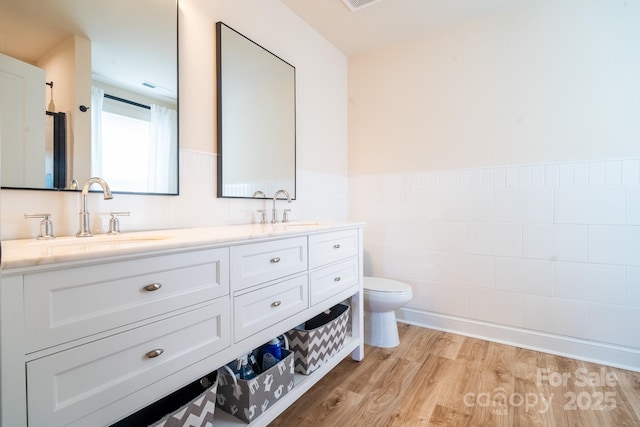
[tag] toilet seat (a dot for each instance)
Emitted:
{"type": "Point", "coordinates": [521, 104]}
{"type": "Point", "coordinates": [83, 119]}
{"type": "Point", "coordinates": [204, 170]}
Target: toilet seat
{"type": "Point", "coordinates": [377, 284]}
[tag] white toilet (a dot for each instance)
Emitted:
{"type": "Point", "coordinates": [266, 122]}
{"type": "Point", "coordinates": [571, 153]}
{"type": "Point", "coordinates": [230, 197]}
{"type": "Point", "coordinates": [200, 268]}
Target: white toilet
{"type": "Point", "coordinates": [381, 298]}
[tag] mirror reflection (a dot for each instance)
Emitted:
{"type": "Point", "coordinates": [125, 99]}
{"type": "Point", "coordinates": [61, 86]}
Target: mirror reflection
{"type": "Point", "coordinates": [89, 89]}
{"type": "Point", "coordinates": [256, 119]}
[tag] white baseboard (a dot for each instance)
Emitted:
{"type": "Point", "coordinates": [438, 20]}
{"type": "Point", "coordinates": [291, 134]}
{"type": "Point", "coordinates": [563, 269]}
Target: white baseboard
{"type": "Point", "coordinates": [590, 351]}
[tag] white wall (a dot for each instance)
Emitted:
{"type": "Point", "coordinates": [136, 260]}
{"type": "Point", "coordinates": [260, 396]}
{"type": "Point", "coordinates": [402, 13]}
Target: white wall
{"type": "Point", "coordinates": [550, 81]}
{"type": "Point", "coordinates": [496, 166]}
{"type": "Point", "coordinates": [321, 73]}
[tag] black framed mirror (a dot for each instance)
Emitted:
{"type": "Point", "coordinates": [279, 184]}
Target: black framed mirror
{"type": "Point", "coordinates": [108, 73]}
{"type": "Point", "coordinates": [256, 117]}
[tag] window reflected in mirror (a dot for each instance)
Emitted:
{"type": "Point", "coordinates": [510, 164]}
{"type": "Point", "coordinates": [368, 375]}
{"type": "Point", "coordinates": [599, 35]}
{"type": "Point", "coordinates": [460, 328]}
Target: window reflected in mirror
{"type": "Point", "coordinates": [133, 144]}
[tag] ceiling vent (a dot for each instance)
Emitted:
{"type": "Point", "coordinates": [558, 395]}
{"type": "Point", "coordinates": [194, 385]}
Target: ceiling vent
{"type": "Point", "coordinates": [355, 5]}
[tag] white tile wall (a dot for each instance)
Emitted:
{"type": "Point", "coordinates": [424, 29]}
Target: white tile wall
{"type": "Point", "coordinates": [471, 270]}
{"type": "Point", "coordinates": [630, 171]}
{"type": "Point", "coordinates": [633, 205]}
{"type": "Point", "coordinates": [614, 324]}
{"type": "Point", "coordinates": [556, 315]}
{"type": "Point", "coordinates": [590, 205]}
{"type": "Point", "coordinates": [613, 173]}
{"type": "Point", "coordinates": [468, 206]}
{"type": "Point", "coordinates": [495, 239]}
{"type": "Point", "coordinates": [565, 175]}
{"type": "Point", "coordinates": [455, 236]}
{"type": "Point", "coordinates": [446, 299]}
{"type": "Point", "coordinates": [529, 276]}
{"type": "Point", "coordinates": [581, 174]}
{"type": "Point", "coordinates": [493, 306]}
{"type": "Point", "coordinates": [590, 282]}
{"type": "Point", "coordinates": [524, 205]}
{"type": "Point", "coordinates": [551, 175]}
{"type": "Point", "coordinates": [564, 242]}
{"type": "Point", "coordinates": [553, 248]}
{"type": "Point", "coordinates": [633, 286]}
{"type": "Point", "coordinates": [614, 244]}
{"type": "Point", "coordinates": [421, 265]}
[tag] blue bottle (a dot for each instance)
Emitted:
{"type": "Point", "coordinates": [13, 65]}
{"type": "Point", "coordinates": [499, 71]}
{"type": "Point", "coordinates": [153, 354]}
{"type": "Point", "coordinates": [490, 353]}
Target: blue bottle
{"type": "Point", "coordinates": [275, 348]}
{"type": "Point", "coordinates": [246, 372]}
{"type": "Point", "coordinates": [271, 354]}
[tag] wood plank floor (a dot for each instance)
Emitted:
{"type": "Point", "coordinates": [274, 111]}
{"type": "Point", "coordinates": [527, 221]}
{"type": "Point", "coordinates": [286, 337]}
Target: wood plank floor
{"type": "Point", "coordinates": [440, 379]}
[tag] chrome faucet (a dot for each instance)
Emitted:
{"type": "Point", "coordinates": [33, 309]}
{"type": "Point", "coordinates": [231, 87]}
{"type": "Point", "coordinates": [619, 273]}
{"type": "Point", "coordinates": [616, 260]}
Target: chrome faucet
{"type": "Point", "coordinates": [274, 212]}
{"type": "Point", "coordinates": [85, 225]}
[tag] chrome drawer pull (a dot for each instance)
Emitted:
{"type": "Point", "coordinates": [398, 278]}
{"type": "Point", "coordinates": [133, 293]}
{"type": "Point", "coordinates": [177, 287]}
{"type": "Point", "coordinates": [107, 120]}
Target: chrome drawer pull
{"type": "Point", "coordinates": [275, 260]}
{"type": "Point", "coordinates": [153, 287]}
{"type": "Point", "coordinates": [336, 246]}
{"type": "Point", "coordinates": [276, 303]}
{"type": "Point", "coordinates": [154, 353]}
{"type": "Point", "coordinates": [336, 279]}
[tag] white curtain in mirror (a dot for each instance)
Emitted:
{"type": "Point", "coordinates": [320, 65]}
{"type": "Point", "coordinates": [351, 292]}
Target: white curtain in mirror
{"type": "Point", "coordinates": [162, 151]}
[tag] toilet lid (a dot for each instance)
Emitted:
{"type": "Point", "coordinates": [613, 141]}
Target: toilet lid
{"type": "Point", "coordinates": [384, 285]}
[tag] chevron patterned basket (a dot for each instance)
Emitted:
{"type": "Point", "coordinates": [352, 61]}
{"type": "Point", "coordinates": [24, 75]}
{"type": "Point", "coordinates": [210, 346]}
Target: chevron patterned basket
{"type": "Point", "coordinates": [323, 338]}
{"type": "Point", "coordinates": [198, 411]}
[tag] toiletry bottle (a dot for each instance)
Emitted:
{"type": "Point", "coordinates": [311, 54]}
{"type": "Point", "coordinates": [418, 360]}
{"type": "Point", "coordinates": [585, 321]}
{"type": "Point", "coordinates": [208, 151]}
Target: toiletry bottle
{"type": "Point", "coordinates": [246, 372]}
{"type": "Point", "coordinates": [253, 362]}
{"type": "Point", "coordinates": [274, 347]}
{"type": "Point", "coordinates": [271, 354]}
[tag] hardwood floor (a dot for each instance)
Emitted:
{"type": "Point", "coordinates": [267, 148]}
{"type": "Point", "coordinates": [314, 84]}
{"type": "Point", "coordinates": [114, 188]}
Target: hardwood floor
{"type": "Point", "coordinates": [439, 379]}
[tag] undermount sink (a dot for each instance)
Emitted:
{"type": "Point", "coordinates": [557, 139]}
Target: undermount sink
{"type": "Point", "coordinates": [305, 224]}
{"type": "Point", "coordinates": [103, 239]}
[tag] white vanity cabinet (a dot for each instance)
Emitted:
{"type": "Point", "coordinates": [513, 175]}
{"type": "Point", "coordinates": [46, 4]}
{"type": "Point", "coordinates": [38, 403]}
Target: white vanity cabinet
{"type": "Point", "coordinates": [64, 305]}
{"type": "Point", "coordinates": [95, 334]}
{"type": "Point", "coordinates": [70, 385]}
{"type": "Point", "coordinates": [90, 340]}
{"type": "Point", "coordinates": [261, 295]}
{"type": "Point", "coordinates": [334, 264]}
{"type": "Point", "coordinates": [253, 264]}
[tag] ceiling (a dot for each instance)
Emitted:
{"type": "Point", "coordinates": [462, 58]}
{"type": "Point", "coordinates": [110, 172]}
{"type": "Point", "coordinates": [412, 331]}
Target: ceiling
{"type": "Point", "coordinates": [388, 21]}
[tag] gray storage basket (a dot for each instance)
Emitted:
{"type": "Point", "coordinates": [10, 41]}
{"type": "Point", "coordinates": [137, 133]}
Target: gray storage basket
{"type": "Point", "coordinates": [315, 346]}
{"type": "Point", "coordinates": [198, 412]}
{"type": "Point", "coordinates": [248, 399]}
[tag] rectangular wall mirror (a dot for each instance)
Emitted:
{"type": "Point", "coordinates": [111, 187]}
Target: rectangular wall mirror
{"type": "Point", "coordinates": [256, 118]}
{"type": "Point", "coordinates": [89, 89]}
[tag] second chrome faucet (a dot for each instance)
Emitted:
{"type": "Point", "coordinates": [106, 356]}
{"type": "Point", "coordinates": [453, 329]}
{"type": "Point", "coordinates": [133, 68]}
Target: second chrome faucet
{"type": "Point", "coordinates": [274, 212]}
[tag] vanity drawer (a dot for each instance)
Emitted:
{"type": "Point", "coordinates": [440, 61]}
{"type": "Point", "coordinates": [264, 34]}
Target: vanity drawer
{"type": "Point", "coordinates": [262, 262]}
{"type": "Point", "coordinates": [61, 306]}
{"type": "Point", "coordinates": [68, 385]}
{"type": "Point", "coordinates": [259, 309]}
{"type": "Point", "coordinates": [329, 281]}
{"type": "Point", "coordinates": [326, 248]}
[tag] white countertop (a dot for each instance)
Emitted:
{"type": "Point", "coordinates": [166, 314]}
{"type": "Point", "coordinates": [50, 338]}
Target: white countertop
{"type": "Point", "coordinates": [32, 252]}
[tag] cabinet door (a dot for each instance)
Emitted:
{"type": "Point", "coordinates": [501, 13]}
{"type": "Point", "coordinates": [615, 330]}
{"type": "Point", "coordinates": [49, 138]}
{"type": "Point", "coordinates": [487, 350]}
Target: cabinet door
{"type": "Point", "coordinates": [70, 384]}
{"type": "Point", "coordinates": [259, 309]}
{"type": "Point", "coordinates": [332, 280]}
{"type": "Point", "coordinates": [325, 248]}
{"type": "Point", "coordinates": [257, 263]}
{"type": "Point", "coordinates": [61, 306]}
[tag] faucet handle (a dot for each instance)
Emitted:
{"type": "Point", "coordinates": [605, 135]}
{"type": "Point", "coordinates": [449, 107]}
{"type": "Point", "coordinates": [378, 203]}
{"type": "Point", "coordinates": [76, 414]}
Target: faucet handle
{"type": "Point", "coordinates": [114, 222]}
{"type": "Point", "coordinates": [263, 216]}
{"type": "Point", "coordinates": [46, 225]}
{"type": "Point", "coordinates": [285, 215]}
